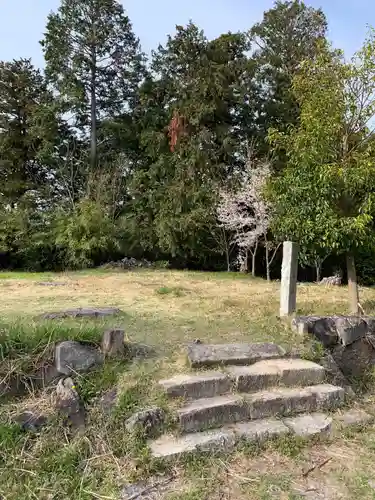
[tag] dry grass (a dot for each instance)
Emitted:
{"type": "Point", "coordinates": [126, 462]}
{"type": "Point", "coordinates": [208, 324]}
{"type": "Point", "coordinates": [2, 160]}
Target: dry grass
{"type": "Point", "coordinates": [164, 309]}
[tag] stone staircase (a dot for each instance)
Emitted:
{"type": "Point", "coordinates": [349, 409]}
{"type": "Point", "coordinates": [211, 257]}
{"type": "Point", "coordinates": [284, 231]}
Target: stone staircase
{"type": "Point", "coordinates": [256, 392]}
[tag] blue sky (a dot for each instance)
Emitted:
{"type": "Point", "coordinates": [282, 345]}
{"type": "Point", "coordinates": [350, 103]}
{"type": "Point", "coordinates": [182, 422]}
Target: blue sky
{"type": "Point", "coordinates": [22, 22]}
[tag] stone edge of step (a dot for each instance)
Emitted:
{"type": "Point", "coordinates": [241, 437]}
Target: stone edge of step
{"type": "Point", "coordinates": [257, 432]}
{"type": "Point", "coordinates": [283, 372]}
{"type": "Point", "coordinates": [229, 409]}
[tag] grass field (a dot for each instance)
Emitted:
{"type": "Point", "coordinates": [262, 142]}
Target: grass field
{"type": "Point", "coordinates": [165, 310]}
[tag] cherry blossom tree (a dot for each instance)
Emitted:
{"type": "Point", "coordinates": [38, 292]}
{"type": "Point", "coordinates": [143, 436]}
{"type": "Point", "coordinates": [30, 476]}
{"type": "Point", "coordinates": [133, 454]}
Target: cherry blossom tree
{"type": "Point", "coordinates": [246, 214]}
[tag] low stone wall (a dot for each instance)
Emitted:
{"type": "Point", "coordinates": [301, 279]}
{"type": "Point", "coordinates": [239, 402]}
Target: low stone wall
{"type": "Point", "coordinates": [350, 339]}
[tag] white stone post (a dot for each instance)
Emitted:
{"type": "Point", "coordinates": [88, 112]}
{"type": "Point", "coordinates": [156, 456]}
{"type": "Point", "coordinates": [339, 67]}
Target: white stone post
{"type": "Point", "coordinates": [288, 289]}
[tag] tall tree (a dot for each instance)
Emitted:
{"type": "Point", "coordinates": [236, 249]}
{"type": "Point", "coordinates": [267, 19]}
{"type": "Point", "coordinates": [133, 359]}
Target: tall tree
{"type": "Point", "coordinates": [193, 106]}
{"type": "Point", "coordinates": [28, 128]}
{"type": "Point", "coordinates": [287, 35]}
{"type": "Point", "coordinates": [325, 199]}
{"type": "Point", "coordinates": [94, 60]}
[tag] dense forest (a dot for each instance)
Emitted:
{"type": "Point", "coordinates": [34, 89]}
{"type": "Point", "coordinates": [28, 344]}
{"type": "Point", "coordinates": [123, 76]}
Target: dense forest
{"type": "Point", "coordinates": [205, 155]}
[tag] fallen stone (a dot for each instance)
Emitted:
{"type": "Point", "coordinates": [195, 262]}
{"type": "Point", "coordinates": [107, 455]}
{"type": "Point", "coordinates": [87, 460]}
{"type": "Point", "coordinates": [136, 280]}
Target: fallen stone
{"type": "Point", "coordinates": [204, 385]}
{"type": "Point", "coordinates": [350, 329]}
{"type": "Point", "coordinates": [148, 420]}
{"type": "Point", "coordinates": [83, 312]}
{"type": "Point", "coordinates": [335, 375]}
{"type": "Point", "coordinates": [208, 441]}
{"type": "Point", "coordinates": [69, 404]}
{"type": "Point", "coordinates": [72, 357]}
{"type": "Point", "coordinates": [269, 373]}
{"type": "Point", "coordinates": [309, 425]}
{"type": "Point", "coordinates": [31, 421]}
{"type": "Point", "coordinates": [113, 343]}
{"type": "Point", "coordinates": [355, 359]}
{"type": "Point", "coordinates": [152, 488]}
{"type": "Point", "coordinates": [322, 328]}
{"type": "Point", "coordinates": [231, 354]}
{"type": "Point", "coordinates": [108, 401]}
{"type": "Point", "coordinates": [354, 418]}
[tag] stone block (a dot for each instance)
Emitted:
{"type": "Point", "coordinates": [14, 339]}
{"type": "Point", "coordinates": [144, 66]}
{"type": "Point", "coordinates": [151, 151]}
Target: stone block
{"type": "Point", "coordinates": [335, 375]}
{"type": "Point", "coordinates": [208, 441]}
{"type": "Point", "coordinates": [204, 385]}
{"type": "Point", "coordinates": [212, 412]}
{"type": "Point", "coordinates": [201, 355]}
{"type": "Point", "coordinates": [148, 420]}
{"type": "Point", "coordinates": [113, 343]}
{"type": "Point", "coordinates": [69, 404]}
{"type": "Point", "coordinates": [259, 431]}
{"type": "Point", "coordinates": [355, 359]}
{"type": "Point", "coordinates": [328, 397]}
{"type": "Point", "coordinates": [350, 329]}
{"type": "Point", "coordinates": [354, 418]}
{"type": "Point", "coordinates": [309, 425]}
{"type": "Point", "coordinates": [71, 357]}
{"type": "Point", "coordinates": [83, 312]}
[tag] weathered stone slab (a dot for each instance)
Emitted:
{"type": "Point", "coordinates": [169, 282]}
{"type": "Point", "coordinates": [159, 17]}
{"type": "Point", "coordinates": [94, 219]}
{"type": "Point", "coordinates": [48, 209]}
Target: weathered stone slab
{"type": "Point", "coordinates": [69, 404]}
{"type": "Point", "coordinates": [269, 373]}
{"type": "Point", "coordinates": [113, 343]}
{"type": "Point", "coordinates": [231, 354]}
{"type": "Point", "coordinates": [203, 385]}
{"type": "Point", "coordinates": [83, 312]}
{"type": "Point", "coordinates": [31, 420]}
{"type": "Point", "coordinates": [354, 418]}
{"type": "Point", "coordinates": [279, 402]}
{"type": "Point", "coordinates": [323, 328]}
{"type": "Point", "coordinates": [350, 329]}
{"type": "Point", "coordinates": [335, 375]}
{"type": "Point", "coordinates": [355, 359]}
{"type": "Point", "coordinates": [309, 425]}
{"type": "Point", "coordinates": [328, 397]}
{"type": "Point", "coordinates": [289, 269]}
{"type": "Point", "coordinates": [71, 357]}
{"type": "Point", "coordinates": [260, 431]}
{"type": "Point", "coordinates": [208, 441]}
{"type": "Point", "coordinates": [212, 412]}
{"type": "Point", "coordinates": [148, 420]}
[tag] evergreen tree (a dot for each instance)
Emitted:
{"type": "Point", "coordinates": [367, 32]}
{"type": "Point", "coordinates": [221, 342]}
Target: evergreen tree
{"type": "Point", "coordinates": [94, 61]}
{"type": "Point", "coordinates": [192, 108]}
{"type": "Point", "coordinates": [28, 129]}
{"type": "Point", "coordinates": [288, 34]}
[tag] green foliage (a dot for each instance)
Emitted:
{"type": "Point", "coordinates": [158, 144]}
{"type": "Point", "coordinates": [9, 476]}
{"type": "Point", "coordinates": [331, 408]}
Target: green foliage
{"type": "Point", "coordinates": [325, 197]}
{"type": "Point", "coordinates": [85, 234]}
{"type": "Point", "coordinates": [28, 128]}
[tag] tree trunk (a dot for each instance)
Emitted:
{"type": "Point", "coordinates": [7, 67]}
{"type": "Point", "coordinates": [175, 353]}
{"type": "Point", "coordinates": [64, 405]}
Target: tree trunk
{"type": "Point", "coordinates": [93, 111]}
{"type": "Point", "coordinates": [318, 270]}
{"type": "Point", "coordinates": [253, 257]}
{"type": "Point", "coordinates": [352, 284]}
{"type": "Point", "coordinates": [268, 263]}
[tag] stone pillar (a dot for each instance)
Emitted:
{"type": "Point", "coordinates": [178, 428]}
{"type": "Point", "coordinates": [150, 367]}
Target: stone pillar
{"type": "Point", "coordinates": [288, 290]}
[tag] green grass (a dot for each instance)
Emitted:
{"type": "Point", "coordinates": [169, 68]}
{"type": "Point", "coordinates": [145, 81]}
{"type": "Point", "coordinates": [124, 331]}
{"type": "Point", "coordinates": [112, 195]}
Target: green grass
{"type": "Point", "coordinates": [166, 310]}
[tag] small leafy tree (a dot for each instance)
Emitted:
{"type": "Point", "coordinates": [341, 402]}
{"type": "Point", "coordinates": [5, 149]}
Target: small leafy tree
{"type": "Point", "coordinates": [325, 198]}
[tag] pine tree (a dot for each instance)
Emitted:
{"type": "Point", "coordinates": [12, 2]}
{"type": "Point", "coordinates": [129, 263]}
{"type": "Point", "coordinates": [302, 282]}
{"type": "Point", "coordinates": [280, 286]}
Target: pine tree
{"type": "Point", "coordinates": [94, 61]}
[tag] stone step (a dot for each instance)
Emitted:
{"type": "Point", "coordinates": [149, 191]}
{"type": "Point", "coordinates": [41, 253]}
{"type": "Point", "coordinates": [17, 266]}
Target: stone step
{"type": "Point", "coordinates": [213, 412]}
{"type": "Point", "coordinates": [260, 375]}
{"type": "Point", "coordinates": [224, 439]}
{"type": "Point", "coordinates": [203, 355]}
